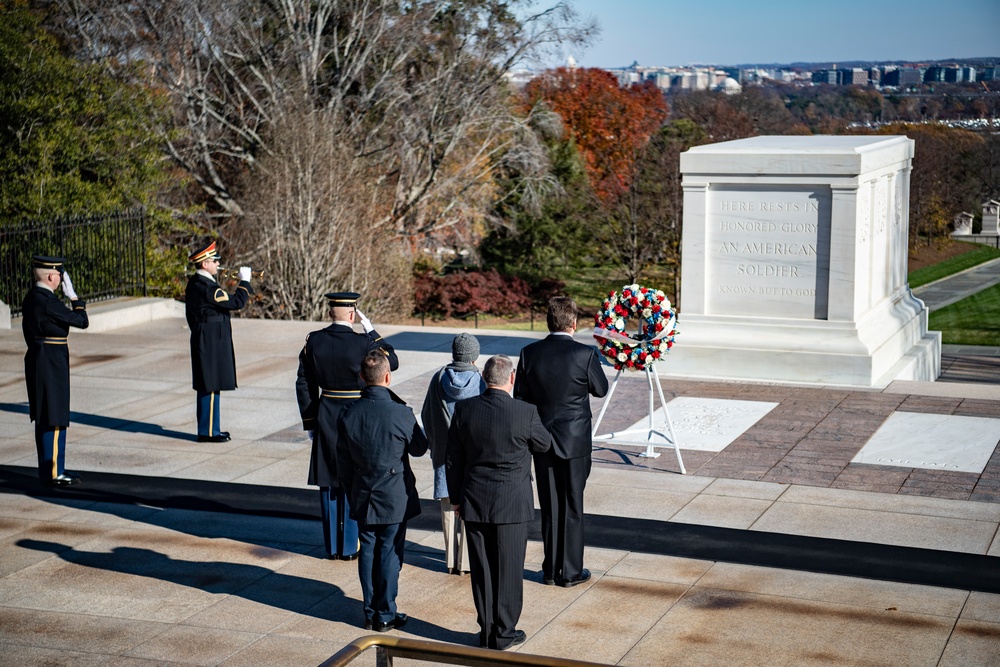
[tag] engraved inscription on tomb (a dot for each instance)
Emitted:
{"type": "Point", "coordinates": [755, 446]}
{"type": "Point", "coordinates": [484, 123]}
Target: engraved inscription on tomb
{"type": "Point", "coordinates": [768, 251]}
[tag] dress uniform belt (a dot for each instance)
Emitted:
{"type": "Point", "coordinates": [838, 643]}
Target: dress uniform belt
{"type": "Point", "coordinates": [51, 340]}
{"type": "Point", "coordinates": [344, 394]}
{"type": "Point", "coordinates": [213, 318]}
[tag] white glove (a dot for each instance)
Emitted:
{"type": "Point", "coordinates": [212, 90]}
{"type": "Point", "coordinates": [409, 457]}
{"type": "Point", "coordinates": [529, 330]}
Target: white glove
{"type": "Point", "coordinates": [67, 287]}
{"type": "Point", "coordinates": [245, 273]}
{"type": "Point", "coordinates": [366, 323]}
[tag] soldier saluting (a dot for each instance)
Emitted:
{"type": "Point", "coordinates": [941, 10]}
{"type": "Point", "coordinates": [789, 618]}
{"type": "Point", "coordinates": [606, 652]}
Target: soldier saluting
{"type": "Point", "coordinates": [327, 383]}
{"type": "Point", "coordinates": [213, 362]}
{"type": "Point", "coordinates": [45, 323]}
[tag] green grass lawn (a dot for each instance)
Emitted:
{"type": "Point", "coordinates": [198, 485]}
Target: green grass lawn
{"type": "Point", "coordinates": [966, 260]}
{"type": "Point", "coordinates": [972, 321]}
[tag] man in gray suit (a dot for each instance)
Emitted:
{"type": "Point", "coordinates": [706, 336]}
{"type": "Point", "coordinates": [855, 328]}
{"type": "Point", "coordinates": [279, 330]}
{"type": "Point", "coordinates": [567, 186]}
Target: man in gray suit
{"type": "Point", "coordinates": [488, 466]}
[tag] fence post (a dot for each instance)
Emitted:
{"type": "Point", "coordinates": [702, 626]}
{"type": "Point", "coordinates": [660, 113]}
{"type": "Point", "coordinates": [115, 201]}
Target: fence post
{"type": "Point", "coordinates": [383, 658]}
{"type": "Point", "coordinates": [142, 252]}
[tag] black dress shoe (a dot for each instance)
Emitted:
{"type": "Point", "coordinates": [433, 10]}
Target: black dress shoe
{"type": "Point", "coordinates": [578, 579]}
{"type": "Point", "coordinates": [222, 437]}
{"type": "Point", "coordinates": [225, 433]}
{"type": "Point", "coordinates": [368, 624]}
{"type": "Point", "coordinates": [397, 622]}
{"type": "Point", "coordinates": [64, 480]}
{"type": "Point", "coordinates": [549, 579]}
{"type": "Point", "coordinates": [519, 638]}
{"type": "Point", "coordinates": [74, 475]}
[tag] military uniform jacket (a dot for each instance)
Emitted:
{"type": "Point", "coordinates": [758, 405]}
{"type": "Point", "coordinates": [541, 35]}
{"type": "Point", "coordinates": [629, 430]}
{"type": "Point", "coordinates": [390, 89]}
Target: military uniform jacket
{"type": "Point", "coordinates": [207, 307]}
{"type": "Point", "coordinates": [329, 363]}
{"type": "Point", "coordinates": [45, 323]}
{"type": "Point", "coordinates": [378, 434]}
{"type": "Point", "coordinates": [559, 375]}
{"type": "Point", "coordinates": [490, 443]}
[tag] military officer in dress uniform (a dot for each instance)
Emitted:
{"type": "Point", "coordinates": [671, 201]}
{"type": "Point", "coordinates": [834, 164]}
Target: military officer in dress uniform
{"type": "Point", "coordinates": [326, 384]}
{"type": "Point", "coordinates": [45, 323]}
{"type": "Point", "coordinates": [213, 363]}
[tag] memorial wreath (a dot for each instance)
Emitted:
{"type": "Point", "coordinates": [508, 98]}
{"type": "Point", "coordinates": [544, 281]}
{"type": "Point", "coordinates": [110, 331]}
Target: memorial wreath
{"type": "Point", "coordinates": [656, 327]}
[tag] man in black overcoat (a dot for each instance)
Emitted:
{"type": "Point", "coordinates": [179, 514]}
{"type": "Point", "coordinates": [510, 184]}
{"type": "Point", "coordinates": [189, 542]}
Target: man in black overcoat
{"type": "Point", "coordinates": [490, 443]}
{"type": "Point", "coordinates": [45, 322]}
{"type": "Point", "coordinates": [327, 382]}
{"type": "Point", "coordinates": [559, 375]}
{"type": "Point", "coordinates": [378, 434]}
{"type": "Point", "coordinates": [213, 361]}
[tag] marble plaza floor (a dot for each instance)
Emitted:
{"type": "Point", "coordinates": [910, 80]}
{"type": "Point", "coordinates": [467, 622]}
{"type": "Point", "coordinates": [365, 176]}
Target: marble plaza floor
{"type": "Point", "coordinates": [834, 526]}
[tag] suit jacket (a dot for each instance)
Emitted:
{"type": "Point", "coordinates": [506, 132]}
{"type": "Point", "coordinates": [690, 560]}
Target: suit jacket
{"type": "Point", "coordinates": [378, 434]}
{"type": "Point", "coordinates": [490, 443]}
{"type": "Point", "coordinates": [45, 323]}
{"type": "Point", "coordinates": [207, 307]}
{"type": "Point", "coordinates": [559, 375]}
{"type": "Point", "coordinates": [331, 360]}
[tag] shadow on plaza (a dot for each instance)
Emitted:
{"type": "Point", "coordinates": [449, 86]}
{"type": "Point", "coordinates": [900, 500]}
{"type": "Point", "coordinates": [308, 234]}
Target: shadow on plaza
{"type": "Point", "coordinates": [299, 595]}
{"type": "Point", "coordinates": [109, 423]}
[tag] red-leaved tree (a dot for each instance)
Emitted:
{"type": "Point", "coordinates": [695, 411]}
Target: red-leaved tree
{"type": "Point", "coordinates": [609, 123]}
{"type": "Point", "coordinates": [469, 292]}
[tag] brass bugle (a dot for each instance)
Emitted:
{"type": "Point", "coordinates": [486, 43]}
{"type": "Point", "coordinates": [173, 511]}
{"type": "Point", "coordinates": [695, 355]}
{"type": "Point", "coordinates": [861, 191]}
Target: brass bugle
{"type": "Point", "coordinates": [227, 272]}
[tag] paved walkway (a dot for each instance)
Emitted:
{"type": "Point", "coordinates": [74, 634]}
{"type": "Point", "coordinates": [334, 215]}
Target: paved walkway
{"type": "Point", "coordinates": [954, 288]}
{"type": "Point", "coordinates": [777, 550]}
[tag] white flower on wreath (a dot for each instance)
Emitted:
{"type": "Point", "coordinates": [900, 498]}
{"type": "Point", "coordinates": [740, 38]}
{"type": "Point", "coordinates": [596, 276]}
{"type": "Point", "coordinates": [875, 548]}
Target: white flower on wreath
{"type": "Point", "coordinates": [622, 356]}
{"type": "Point", "coordinates": [663, 346]}
{"type": "Point", "coordinates": [620, 324]}
{"type": "Point", "coordinates": [647, 312]}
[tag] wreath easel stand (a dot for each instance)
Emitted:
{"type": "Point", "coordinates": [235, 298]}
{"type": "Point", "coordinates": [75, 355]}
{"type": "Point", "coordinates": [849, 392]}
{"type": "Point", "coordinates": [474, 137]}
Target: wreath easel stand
{"type": "Point", "coordinates": [652, 379]}
{"type": "Point", "coordinates": [637, 353]}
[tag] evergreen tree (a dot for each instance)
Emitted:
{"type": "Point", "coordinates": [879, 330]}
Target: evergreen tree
{"type": "Point", "coordinates": [73, 139]}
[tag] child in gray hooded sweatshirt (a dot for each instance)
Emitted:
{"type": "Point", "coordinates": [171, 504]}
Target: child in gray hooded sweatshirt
{"type": "Point", "coordinates": [457, 381]}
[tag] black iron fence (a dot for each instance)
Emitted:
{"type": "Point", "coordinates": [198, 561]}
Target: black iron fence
{"type": "Point", "coordinates": [106, 254]}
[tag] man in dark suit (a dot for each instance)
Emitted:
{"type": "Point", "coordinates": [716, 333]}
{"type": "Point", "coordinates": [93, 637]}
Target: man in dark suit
{"type": "Point", "coordinates": [378, 434]}
{"type": "Point", "coordinates": [45, 324]}
{"type": "Point", "coordinates": [559, 375]}
{"type": "Point", "coordinates": [327, 383]}
{"type": "Point", "coordinates": [488, 466]}
{"type": "Point", "coordinates": [213, 361]}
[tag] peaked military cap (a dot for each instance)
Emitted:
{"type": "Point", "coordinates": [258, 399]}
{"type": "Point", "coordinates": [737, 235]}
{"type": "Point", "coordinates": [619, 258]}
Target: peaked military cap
{"type": "Point", "coordinates": [203, 254]}
{"type": "Point", "coordinates": [44, 262]}
{"type": "Point", "coordinates": [343, 298]}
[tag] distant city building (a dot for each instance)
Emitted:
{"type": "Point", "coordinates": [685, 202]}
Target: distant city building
{"type": "Point", "coordinates": [827, 76]}
{"type": "Point", "coordinates": [729, 86]}
{"type": "Point", "coordinates": [968, 74]}
{"type": "Point", "coordinates": [902, 76]}
{"type": "Point", "coordinates": [854, 76]}
{"type": "Point", "coordinates": [935, 74]}
{"type": "Point", "coordinates": [990, 74]}
{"type": "Point", "coordinates": [874, 76]}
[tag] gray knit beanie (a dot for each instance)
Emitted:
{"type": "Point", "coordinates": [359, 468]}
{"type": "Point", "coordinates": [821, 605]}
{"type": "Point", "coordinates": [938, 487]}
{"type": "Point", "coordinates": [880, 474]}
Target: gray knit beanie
{"type": "Point", "coordinates": [465, 348]}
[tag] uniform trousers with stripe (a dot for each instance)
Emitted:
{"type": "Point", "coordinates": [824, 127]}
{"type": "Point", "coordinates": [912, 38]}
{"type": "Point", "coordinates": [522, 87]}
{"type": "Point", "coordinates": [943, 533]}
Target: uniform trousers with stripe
{"type": "Point", "coordinates": [340, 531]}
{"type": "Point", "coordinates": [208, 413]}
{"type": "Point", "coordinates": [50, 444]}
{"type": "Point", "coordinates": [496, 555]}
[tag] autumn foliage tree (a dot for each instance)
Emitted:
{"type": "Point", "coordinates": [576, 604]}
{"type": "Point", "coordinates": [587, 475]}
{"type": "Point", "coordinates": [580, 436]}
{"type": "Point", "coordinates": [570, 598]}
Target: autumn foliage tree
{"type": "Point", "coordinates": [609, 123]}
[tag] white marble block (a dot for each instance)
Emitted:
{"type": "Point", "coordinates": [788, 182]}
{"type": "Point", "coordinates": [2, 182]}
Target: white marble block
{"type": "Point", "coordinates": [794, 264]}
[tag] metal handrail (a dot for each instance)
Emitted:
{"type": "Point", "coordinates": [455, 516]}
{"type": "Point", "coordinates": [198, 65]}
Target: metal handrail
{"type": "Point", "coordinates": [388, 648]}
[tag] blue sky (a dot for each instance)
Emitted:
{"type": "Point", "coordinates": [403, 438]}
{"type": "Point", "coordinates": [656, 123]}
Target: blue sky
{"type": "Point", "coordinates": [724, 32]}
